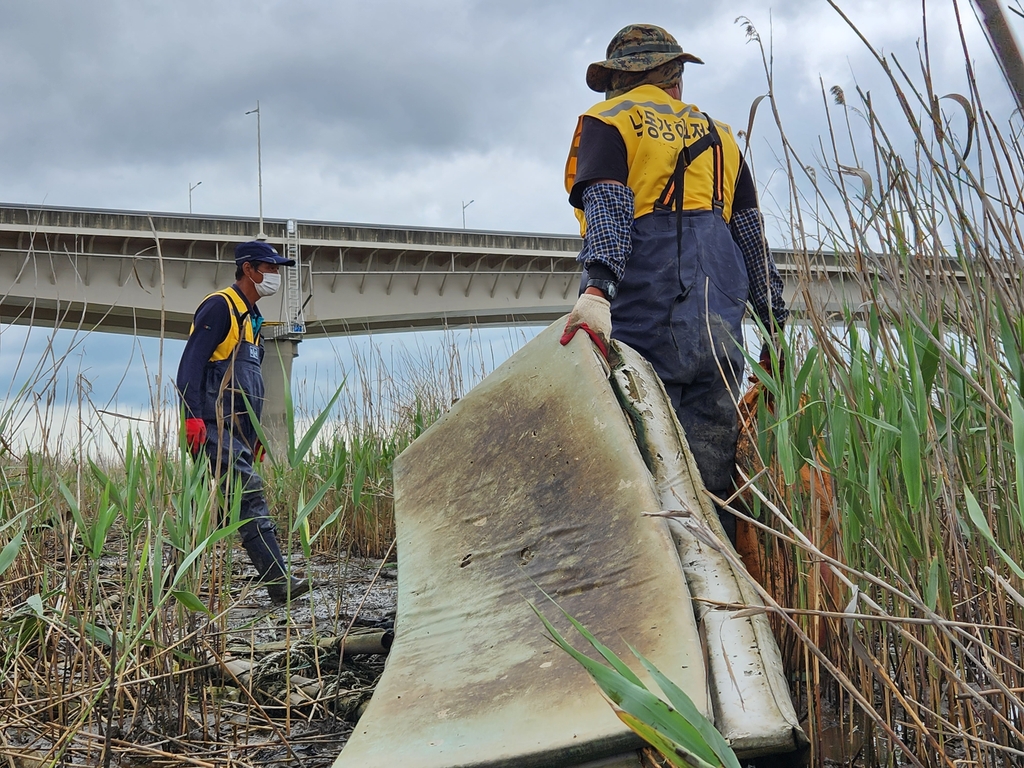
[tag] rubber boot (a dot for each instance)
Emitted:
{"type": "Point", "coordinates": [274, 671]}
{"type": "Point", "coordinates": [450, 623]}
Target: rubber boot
{"type": "Point", "coordinates": [266, 556]}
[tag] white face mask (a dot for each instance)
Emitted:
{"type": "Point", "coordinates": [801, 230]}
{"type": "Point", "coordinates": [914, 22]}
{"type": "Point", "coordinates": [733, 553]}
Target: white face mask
{"type": "Point", "coordinates": [271, 284]}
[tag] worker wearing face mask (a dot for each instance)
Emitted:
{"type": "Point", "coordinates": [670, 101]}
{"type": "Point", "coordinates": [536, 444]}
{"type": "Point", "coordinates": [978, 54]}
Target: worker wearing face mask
{"type": "Point", "coordinates": [219, 371]}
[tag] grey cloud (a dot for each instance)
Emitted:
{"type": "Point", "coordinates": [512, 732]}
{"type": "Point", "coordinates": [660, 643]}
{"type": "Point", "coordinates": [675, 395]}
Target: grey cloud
{"type": "Point", "coordinates": [121, 80]}
{"type": "Point", "coordinates": [124, 102]}
{"type": "Point", "coordinates": [134, 79]}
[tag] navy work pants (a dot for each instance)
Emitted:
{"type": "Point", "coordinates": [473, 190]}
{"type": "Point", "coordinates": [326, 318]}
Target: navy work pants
{"type": "Point", "coordinates": [231, 458]}
{"type": "Point", "coordinates": [681, 304]}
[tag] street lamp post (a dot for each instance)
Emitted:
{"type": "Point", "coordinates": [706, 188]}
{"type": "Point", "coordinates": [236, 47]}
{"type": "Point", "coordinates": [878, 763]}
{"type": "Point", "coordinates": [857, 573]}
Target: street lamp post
{"type": "Point", "coordinates": [465, 205]}
{"type": "Point", "coordinates": [259, 167]}
{"type": "Point", "coordinates": [190, 188]}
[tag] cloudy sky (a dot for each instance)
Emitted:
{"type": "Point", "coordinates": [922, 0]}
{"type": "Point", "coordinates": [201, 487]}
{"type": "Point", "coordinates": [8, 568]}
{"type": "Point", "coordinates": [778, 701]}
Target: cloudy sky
{"type": "Point", "coordinates": [394, 111]}
{"type": "Point", "coordinates": [390, 112]}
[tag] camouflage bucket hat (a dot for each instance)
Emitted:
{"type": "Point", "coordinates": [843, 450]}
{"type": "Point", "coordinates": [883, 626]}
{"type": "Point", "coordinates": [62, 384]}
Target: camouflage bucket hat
{"type": "Point", "coordinates": [636, 48]}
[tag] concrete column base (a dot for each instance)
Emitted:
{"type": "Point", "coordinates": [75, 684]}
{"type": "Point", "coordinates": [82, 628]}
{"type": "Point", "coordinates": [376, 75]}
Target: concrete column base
{"type": "Point", "coordinates": [277, 378]}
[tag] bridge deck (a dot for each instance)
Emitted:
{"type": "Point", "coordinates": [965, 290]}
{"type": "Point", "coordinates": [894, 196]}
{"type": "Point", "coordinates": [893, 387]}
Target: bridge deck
{"type": "Point", "coordinates": [145, 273]}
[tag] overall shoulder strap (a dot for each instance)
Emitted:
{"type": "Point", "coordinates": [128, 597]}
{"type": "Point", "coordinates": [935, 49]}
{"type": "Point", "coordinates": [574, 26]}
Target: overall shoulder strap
{"type": "Point", "coordinates": [241, 311]}
{"type": "Point", "coordinates": [672, 196]}
{"type": "Point", "coordinates": [718, 195]}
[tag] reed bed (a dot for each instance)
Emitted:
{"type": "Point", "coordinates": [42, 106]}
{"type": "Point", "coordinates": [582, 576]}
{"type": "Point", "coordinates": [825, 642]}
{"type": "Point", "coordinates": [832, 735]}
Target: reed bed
{"type": "Point", "coordinates": [905, 574]}
{"type": "Point", "coordinates": [118, 569]}
{"type": "Point", "coordinates": [906, 580]}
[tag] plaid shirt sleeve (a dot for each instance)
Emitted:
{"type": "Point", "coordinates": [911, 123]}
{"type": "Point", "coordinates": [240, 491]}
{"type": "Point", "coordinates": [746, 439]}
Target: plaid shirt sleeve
{"type": "Point", "coordinates": [765, 283]}
{"type": "Point", "coordinates": [608, 209]}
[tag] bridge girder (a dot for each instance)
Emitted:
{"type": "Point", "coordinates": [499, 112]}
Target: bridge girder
{"type": "Point", "coordinates": [145, 274]}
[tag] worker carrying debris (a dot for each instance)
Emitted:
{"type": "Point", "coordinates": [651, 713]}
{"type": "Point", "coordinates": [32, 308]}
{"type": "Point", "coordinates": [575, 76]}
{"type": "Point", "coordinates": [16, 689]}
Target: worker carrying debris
{"type": "Point", "coordinates": [219, 370]}
{"type": "Point", "coordinates": [673, 241]}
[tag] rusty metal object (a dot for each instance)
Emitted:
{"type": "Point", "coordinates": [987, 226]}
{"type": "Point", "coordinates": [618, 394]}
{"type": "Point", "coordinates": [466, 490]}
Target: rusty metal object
{"type": "Point", "coordinates": [771, 564]}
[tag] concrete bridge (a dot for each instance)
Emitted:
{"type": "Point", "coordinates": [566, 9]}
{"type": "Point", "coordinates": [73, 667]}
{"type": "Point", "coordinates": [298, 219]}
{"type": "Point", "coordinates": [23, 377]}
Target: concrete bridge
{"type": "Point", "coordinates": [145, 273]}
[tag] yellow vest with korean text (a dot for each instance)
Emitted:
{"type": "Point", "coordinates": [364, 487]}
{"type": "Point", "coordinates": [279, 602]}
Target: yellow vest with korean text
{"type": "Point", "coordinates": [655, 128]}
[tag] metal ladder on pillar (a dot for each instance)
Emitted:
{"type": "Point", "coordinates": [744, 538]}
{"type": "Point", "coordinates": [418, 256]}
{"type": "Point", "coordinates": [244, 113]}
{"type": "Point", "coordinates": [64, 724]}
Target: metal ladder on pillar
{"type": "Point", "coordinates": [293, 318]}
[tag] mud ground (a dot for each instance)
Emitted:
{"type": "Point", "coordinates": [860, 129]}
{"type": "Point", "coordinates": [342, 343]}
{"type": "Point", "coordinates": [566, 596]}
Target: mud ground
{"type": "Point", "coordinates": [356, 592]}
{"type": "Point", "coordinates": [230, 726]}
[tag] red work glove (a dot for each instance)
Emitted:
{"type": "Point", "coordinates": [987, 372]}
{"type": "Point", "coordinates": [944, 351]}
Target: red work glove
{"type": "Point", "coordinates": [259, 451]}
{"type": "Point", "coordinates": [195, 435]}
{"type": "Point", "coordinates": [592, 314]}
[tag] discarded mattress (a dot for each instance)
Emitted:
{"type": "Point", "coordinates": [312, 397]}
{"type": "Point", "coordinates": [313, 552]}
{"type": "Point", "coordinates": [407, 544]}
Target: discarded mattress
{"type": "Point", "coordinates": [752, 706]}
{"type": "Point", "coordinates": [535, 481]}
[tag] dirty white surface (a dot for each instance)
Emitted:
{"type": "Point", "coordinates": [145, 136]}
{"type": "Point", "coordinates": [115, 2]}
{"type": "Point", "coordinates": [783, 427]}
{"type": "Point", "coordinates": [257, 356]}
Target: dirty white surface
{"type": "Point", "coordinates": [752, 704]}
{"type": "Point", "coordinates": [532, 482]}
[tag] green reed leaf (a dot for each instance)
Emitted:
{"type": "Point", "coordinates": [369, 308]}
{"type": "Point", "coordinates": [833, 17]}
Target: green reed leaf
{"type": "Point", "coordinates": [678, 730]}
{"type": "Point", "coordinates": [190, 601]}
{"type": "Point", "coordinates": [1017, 413]}
{"type": "Point", "coordinates": [981, 524]}
{"type": "Point", "coordinates": [10, 551]}
{"type": "Point", "coordinates": [910, 455]}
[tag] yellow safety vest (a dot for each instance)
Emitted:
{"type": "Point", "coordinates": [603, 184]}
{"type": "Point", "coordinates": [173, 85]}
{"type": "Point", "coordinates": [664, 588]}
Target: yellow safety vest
{"type": "Point", "coordinates": [655, 127]}
{"type": "Point", "coordinates": [239, 331]}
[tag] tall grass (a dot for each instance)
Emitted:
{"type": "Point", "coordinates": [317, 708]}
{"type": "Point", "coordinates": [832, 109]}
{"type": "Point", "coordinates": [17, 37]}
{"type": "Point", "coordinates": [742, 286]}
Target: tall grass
{"type": "Point", "coordinates": [116, 569]}
{"type": "Point", "coordinates": [911, 398]}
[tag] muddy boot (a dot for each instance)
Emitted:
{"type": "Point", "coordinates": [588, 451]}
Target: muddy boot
{"type": "Point", "coordinates": [283, 591]}
{"type": "Point", "coordinates": [266, 556]}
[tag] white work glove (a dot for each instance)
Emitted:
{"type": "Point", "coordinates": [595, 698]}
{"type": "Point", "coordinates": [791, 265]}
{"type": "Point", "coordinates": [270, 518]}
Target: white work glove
{"type": "Point", "coordinates": [592, 314]}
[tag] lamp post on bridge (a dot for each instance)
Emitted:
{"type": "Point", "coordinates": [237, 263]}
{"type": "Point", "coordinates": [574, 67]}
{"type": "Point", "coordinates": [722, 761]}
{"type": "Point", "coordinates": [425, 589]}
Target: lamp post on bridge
{"type": "Point", "coordinates": [190, 188]}
{"type": "Point", "coordinates": [259, 167]}
{"type": "Point", "coordinates": [465, 205]}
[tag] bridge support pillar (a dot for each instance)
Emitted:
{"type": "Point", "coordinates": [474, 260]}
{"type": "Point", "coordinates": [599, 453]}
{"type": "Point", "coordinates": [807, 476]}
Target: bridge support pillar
{"type": "Point", "coordinates": [277, 379]}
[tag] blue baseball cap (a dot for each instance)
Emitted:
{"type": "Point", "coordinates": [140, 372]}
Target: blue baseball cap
{"type": "Point", "coordinates": [257, 250]}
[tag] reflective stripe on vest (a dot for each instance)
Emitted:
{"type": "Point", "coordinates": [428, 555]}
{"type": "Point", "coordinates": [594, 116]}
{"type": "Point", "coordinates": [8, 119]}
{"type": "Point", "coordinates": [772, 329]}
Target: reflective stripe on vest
{"type": "Point", "coordinates": [239, 330]}
{"type": "Point", "coordinates": [655, 127]}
